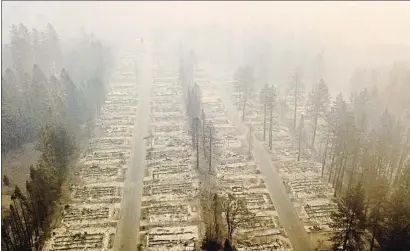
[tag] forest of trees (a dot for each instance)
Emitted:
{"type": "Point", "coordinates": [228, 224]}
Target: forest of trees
{"type": "Point", "coordinates": [26, 223]}
{"type": "Point", "coordinates": [364, 150]}
{"type": "Point", "coordinates": [49, 99]}
{"type": "Point", "coordinates": [37, 77]}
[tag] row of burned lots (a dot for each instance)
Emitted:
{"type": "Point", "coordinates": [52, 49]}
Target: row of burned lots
{"type": "Point", "coordinates": [89, 221]}
{"type": "Point", "coordinates": [286, 143]}
{"type": "Point", "coordinates": [169, 210]}
{"type": "Point", "coordinates": [248, 213]}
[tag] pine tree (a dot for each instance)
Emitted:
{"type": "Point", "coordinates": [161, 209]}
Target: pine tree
{"type": "Point", "coordinates": [71, 101]}
{"type": "Point", "coordinates": [197, 128]}
{"type": "Point", "coordinates": [21, 48]}
{"type": "Point", "coordinates": [397, 232]}
{"type": "Point", "coordinates": [377, 198]}
{"type": "Point", "coordinates": [6, 180]}
{"type": "Point", "coordinates": [38, 57]}
{"type": "Point", "coordinates": [349, 220]}
{"type": "Point", "coordinates": [227, 245]}
{"type": "Point", "coordinates": [53, 45]}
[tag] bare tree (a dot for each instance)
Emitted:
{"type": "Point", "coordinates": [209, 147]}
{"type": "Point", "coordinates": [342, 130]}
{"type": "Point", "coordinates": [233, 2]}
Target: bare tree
{"type": "Point", "coordinates": [263, 98]}
{"type": "Point", "coordinates": [300, 135]}
{"type": "Point", "coordinates": [197, 128]}
{"type": "Point", "coordinates": [203, 130]}
{"type": "Point", "coordinates": [271, 103]}
{"type": "Point", "coordinates": [318, 105]}
{"type": "Point", "coordinates": [297, 95]}
{"type": "Point", "coordinates": [243, 85]}
{"type": "Point", "coordinates": [235, 212]}
{"type": "Point", "coordinates": [210, 153]}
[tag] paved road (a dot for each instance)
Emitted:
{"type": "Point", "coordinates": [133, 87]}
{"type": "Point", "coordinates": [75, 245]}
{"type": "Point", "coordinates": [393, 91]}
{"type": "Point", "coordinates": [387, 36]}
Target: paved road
{"type": "Point", "coordinates": [128, 225]}
{"type": "Point", "coordinates": [287, 214]}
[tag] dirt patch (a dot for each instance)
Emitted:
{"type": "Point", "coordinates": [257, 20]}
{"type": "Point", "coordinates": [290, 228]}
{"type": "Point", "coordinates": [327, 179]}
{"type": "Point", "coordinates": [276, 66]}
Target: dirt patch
{"type": "Point", "coordinates": [16, 165]}
{"type": "Point", "coordinates": [321, 241]}
{"type": "Point", "coordinates": [5, 201]}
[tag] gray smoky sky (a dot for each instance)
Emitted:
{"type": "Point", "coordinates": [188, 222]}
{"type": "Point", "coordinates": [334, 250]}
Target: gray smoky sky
{"type": "Point", "coordinates": [352, 23]}
{"type": "Point", "coordinates": [354, 33]}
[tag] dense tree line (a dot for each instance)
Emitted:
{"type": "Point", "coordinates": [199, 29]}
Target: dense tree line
{"type": "Point", "coordinates": [43, 103]}
{"type": "Point", "coordinates": [371, 149]}
{"type": "Point", "coordinates": [268, 101]}
{"type": "Point", "coordinates": [202, 131]}
{"type": "Point", "coordinates": [26, 224]}
{"type": "Point", "coordinates": [364, 150]}
{"type": "Point", "coordinates": [37, 79]}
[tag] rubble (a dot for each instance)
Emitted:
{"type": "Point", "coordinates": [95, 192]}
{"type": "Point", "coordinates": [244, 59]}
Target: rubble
{"type": "Point", "coordinates": [169, 209]}
{"type": "Point", "coordinates": [311, 196]}
{"type": "Point", "coordinates": [238, 174]}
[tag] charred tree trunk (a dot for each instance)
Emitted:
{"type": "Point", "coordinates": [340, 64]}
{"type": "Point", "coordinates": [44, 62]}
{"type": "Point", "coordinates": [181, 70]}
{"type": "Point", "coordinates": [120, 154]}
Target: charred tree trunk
{"type": "Point", "coordinates": [405, 153]}
{"type": "Point", "coordinates": [337, 170]}
{"type": "Point", "coordinates": [300, 136]}
{"type": "Point", "coordinates": [27, 223]}
{"type": "Point", "coordinates": [352, 171]}
{"type": "Point", "coordinates": [20, 234]}
{"type": "Point", "coordinates": [270, 124]}
{"type": "Point", "coordinates": [197, 141]}
{"type": "Point", "coordinates": [325, 155]}
{"type": "Point", "coordinates": [374, 230]}
{"type": "Point", "coordinates": [295, 94]}
{"type": "Point", "coordinates": [6, 240]}
{"type": "Point", "coordinates": [314, 129]}
{"type": "Point", "coordinates": [264, 116]}
{"type": "Point", "coordinates": [210, 149]}
{"type": "Point", "coordinates": [349, 227]}
{"type": "Point", "coordinates": [244, 105]}
{"type": "Point", "coordinates": [342, 175]}
{"type": "Point", "coordinates": [203, 132]}
{"type": "Point", "coordinates": [331, 168]}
